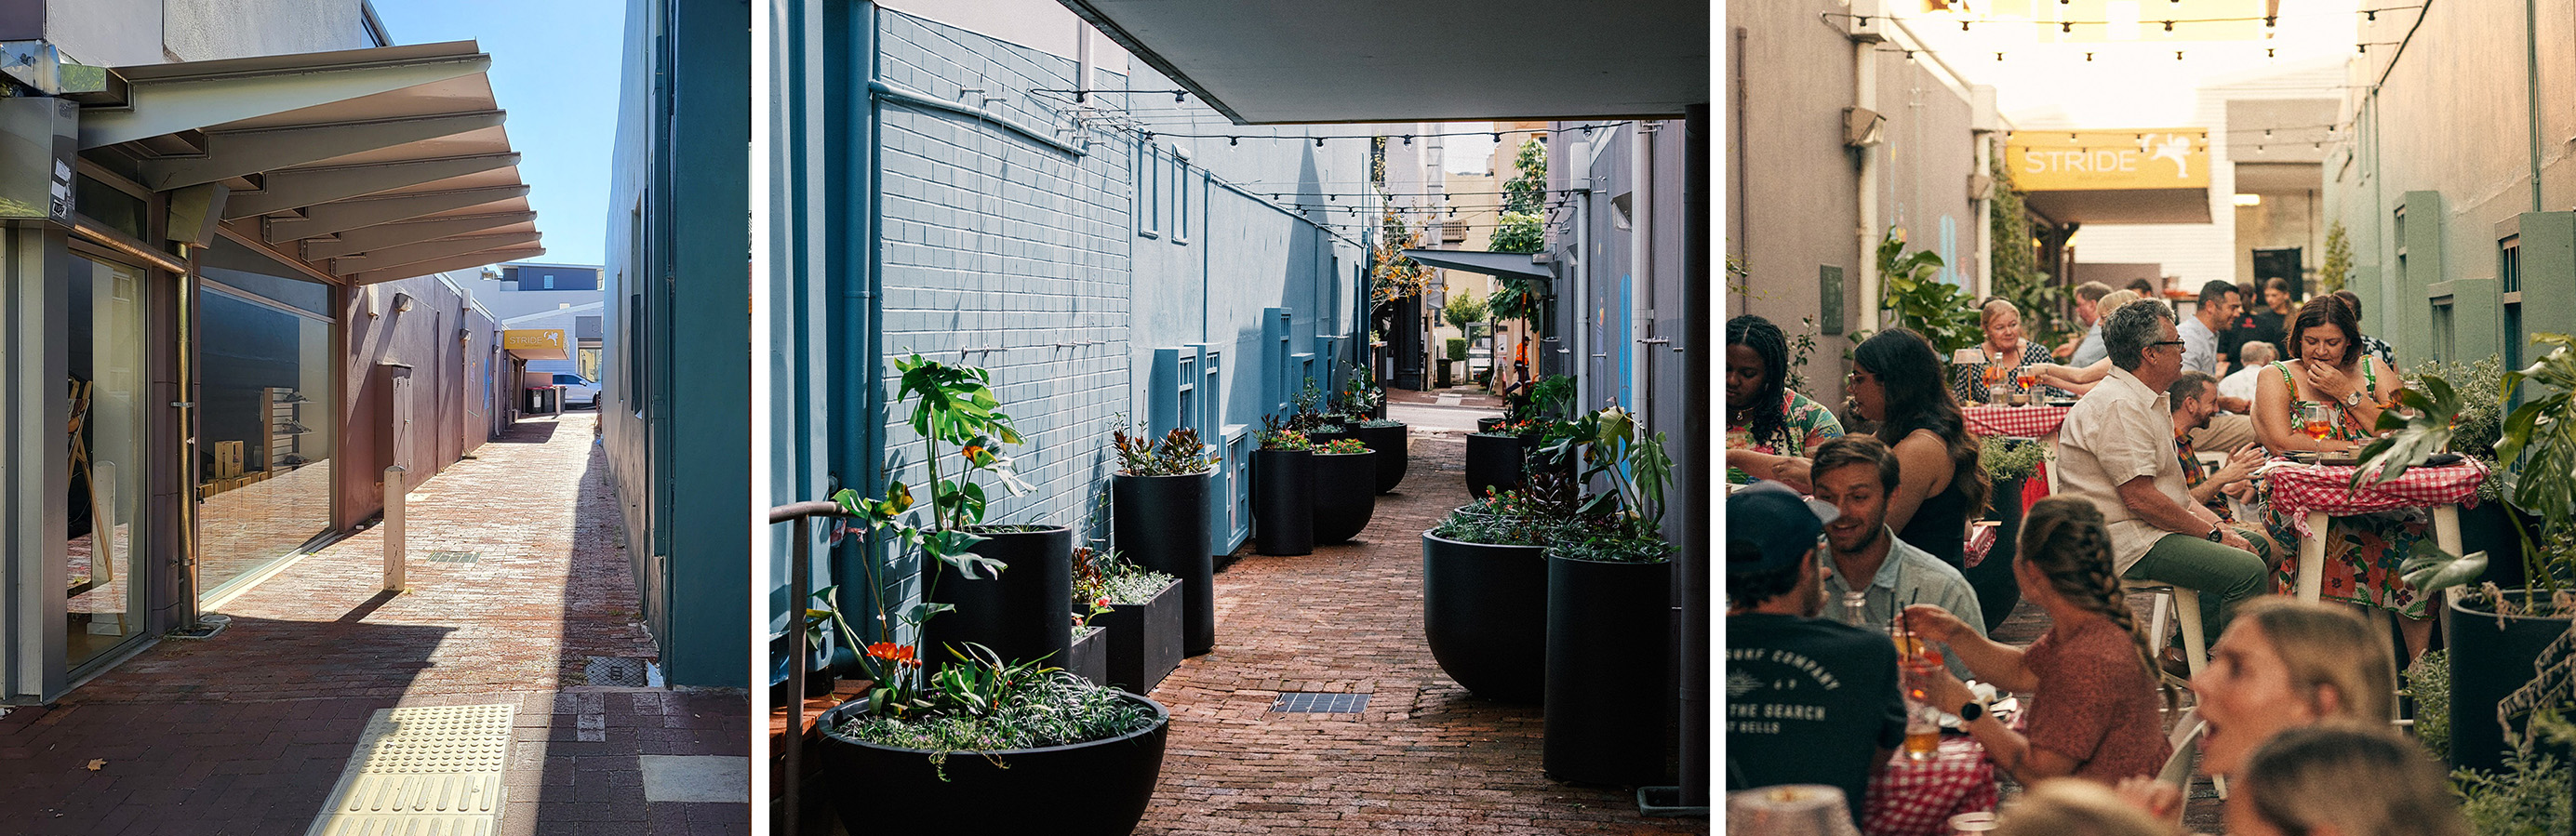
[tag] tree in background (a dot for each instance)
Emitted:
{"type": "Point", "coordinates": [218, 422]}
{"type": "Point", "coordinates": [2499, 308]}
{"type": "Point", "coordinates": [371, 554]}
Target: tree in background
{"type": "Point", "coordinates": [2338, 266]}
{"type": "Point", "coordinates": [1526, 192]}
{"type": "Point", "coordinates": [1463, 310]}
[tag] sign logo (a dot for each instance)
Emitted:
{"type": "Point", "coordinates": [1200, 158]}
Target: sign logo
{"type": "Point", "coordinates": [2109, 160]}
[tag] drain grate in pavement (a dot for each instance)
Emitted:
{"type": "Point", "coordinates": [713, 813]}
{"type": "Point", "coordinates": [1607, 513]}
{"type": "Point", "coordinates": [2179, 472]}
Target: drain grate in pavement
{"type": "Point", "coordinates": [455, 557]}
{"type": "Point", "coordinates": [616, 671]}
{"type": "Point", "coordinates": [436, 768]}
{"type": "Point", "coordinates": [1316, 702]}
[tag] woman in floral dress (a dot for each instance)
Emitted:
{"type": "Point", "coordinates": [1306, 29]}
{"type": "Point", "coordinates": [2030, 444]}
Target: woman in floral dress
{"type": "Point", "coordinates": [2327, 368]}
{"type": "Point", "coordinates": [2004, 347]}
{"type": "Point", "coordinates": [1770, 431]}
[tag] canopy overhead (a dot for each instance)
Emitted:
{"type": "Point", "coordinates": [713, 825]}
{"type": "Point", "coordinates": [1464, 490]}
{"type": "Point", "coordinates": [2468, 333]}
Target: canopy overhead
{"type": "Point", "coordinates": [1474, 261]}
{"type": "Point", "coordinates": [368, 165]}
{"type": "Point", "coordinates": [1458, 60]}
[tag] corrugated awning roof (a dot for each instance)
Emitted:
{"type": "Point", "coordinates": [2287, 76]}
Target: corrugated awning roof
{"type": "Point", "coordinates": [1420, 61]}
{"type": "Point", "coordinates": [369, 165]}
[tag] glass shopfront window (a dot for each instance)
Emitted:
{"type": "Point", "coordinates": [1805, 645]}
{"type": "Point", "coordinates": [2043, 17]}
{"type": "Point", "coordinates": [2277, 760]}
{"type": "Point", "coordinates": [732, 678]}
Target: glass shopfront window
{"type": "Point", "coordinates": [264, 432]}
{"type": "Point", "coordinates": [107, 595]}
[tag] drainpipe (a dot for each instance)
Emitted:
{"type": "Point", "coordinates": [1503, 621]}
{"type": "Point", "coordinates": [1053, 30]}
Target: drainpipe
{"type": "Point", "coordinates": [1641, 274]}
{"type": "Point", "coordinates": [858, 412]}
{"type": "Point", "coordinates": [2531, 86]}
{"type": "Point", "coordinates": [1576, 342]}
{"type": "Point", "coordinates": [1865, 96]}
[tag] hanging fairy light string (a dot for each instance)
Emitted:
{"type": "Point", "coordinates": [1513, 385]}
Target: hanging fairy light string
{"type": "Point", "coordinates": [2067, 26]}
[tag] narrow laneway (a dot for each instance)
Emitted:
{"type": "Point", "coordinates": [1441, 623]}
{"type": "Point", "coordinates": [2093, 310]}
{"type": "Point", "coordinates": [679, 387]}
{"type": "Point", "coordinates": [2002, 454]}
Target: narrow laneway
{"type": "Point", "coordinates": [519, 596]}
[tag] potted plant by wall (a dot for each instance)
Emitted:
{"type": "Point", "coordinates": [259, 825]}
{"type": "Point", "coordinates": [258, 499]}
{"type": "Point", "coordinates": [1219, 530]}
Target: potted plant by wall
{"type": "Point", "coordinates": [1024, 746]}
{"type": "Point", "coordinates": [1484, 589]}
{"type": "Point", "coordinates": [1321, 427]}
{"type": "Point", "coordinates": [1498, 456]}
{"type": "Point", "coordinates": [1283, 491]}
{"type": "Point", "coordinates": [1021, 614]}
{"type": "Point", "coordinates": [2008, 463]}
{"type": "Point", "coordinates": [1160, 504]}
{"type": "Point", "coordinates": [1609, 614]}
{"type": "Point", "coordinates": [1345, 489]}
{"type": "Point", "coordinates": [1363, 408]}
{"type": "Point", "coordinates": [1141, 611]}
{"type": "Point", "coordinates": [2488, 526]}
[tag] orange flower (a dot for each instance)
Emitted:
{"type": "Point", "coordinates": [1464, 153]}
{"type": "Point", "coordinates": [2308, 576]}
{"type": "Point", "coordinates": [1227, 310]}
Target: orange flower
{"type": "Point", "coordinates": [902, 654]}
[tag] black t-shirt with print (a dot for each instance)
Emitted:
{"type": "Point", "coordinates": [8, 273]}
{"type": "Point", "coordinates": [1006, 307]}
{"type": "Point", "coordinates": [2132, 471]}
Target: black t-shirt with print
{"type": "Point", "coordinates": [1808, 701]}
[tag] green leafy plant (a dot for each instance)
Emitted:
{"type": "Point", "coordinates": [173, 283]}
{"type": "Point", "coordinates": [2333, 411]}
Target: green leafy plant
{"type": "Point", "coordinates": [1527, 190]}
{"type": "Point", "coordinates": [2015, 264]}
{"type": "Point", "coordinates": [1463, 310]}
{"type": "Point", "coordinates": [1276, 436]}
{"type": "Point", "coordinates": [1913, 294]}
{"type": "Point", "coordinates": [1456, 348]}
{"type": "Point", "coordinates": [1508, 518]}
{"type": "Point", "coordinates": [2428, 682]}
{"type": "Point", "coordinates": [2538, 446]}
{"type": "Point", "coordinates": [1551, 395]}
{"type": "Point", "coordinates": [1359, 399]}
{"type": "Point", "coordinates": [2526, 798]}
{"type": "Point", "coordinates": [982, 704]}
{"type": "Point", "coordinates": [1180, 453]}
{"type": "Point", "coordinates": [955, 405]}
{"type": "Point", "coordinates": [1621, 524]}
{"type": "Point", "coordinates": [894, 662]}
{"type": "Point", "coordinates": [1106, 579]}
{"type": "Point", "coordinates": [2005, 459]}
{"type": "Point", "coordinates": [1396, 276]}
{"type": "Point", "coordinates": [1517, 232]}
{"type": "Point", "coordinates": [1344, 446]}
{"type": "Point", "coordinates": [2338, 267]}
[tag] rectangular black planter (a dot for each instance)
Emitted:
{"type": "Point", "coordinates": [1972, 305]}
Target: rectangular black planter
{"type": "Point", "coordinates": [1144, 640]}
{"type": "Point", "coordinates": [1089, 657]}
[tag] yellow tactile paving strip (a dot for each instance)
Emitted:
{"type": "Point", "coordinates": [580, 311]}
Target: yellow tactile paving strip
{"type": "Point", "coordinates": [429, 770]}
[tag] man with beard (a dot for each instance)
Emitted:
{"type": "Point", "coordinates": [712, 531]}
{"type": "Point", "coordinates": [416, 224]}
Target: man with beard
{"type": "Point", "coordinates": [2195, 399]}
{"type": "Point", "coordinates": [1808, 700]}
{"type": "Point", "coordinates": [1855, 474]}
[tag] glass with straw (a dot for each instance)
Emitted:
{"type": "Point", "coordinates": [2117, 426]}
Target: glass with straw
{"type": "Point", "coordinates": [1915, 655]}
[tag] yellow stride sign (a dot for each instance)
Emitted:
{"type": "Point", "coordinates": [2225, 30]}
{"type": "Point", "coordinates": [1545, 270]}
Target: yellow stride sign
{"type": "Point", "coordinates": [2109, 160]}
{"type": "Point", "coordinates": [532, 338]}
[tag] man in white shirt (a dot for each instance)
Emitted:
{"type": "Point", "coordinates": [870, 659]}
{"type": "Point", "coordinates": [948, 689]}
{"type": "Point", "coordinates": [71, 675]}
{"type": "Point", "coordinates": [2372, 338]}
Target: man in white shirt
{"type": "Point", "coordinates": [2250, 360]}
{"type": "Point", "coordinates": [2116, 449]}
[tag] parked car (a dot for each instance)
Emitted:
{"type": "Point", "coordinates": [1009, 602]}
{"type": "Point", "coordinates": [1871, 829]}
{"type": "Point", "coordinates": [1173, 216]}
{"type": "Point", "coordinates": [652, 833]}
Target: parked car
{"type": "Point", "coordinates": [578, 391]}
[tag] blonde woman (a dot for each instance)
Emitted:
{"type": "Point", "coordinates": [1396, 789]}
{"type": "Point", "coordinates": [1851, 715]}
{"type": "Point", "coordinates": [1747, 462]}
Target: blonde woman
{"type": "Point", "coordinates": [2004, 349]}
{"type": "Point", "coordinates": [2094, 714]}
{"type": "Point", "coordinates": [2304, 782]}
{"type": "Point", "coordinates": [2065, 805]}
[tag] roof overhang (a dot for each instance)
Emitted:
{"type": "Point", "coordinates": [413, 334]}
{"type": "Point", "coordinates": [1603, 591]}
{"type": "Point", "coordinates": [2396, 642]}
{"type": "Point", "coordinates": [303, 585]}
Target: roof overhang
{"type": "Point", "coordinates": [369, 165]}
{"type": "Point", "coordinates": [2122, 206]}
{"type": "Point", "coordinates": [1458, 60]}
{"type": "Point", "coordinates": [1475, 261]}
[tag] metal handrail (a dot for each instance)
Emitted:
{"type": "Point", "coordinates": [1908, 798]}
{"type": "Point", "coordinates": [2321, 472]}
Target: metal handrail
{"type": "Point", "coordinates": [800, 583]}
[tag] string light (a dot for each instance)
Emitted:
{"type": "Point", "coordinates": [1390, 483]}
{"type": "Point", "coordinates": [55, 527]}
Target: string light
{"type": "Point", "coordinates": [2169, 26]}
{"type": "Point", "coordinates": [2088, 56]}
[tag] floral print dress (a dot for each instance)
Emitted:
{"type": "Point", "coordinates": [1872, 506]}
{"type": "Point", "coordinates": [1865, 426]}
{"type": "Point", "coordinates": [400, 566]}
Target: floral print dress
{"type": "Point", "coordinates": [1805, 423]}
{"type": "Point", "coordinates": [2362, 552]}
{"type": "Point", "coordinates": [1968, 380]}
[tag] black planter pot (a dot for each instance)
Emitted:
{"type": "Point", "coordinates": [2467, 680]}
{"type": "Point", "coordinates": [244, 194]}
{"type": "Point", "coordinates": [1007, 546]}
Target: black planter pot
{"type": "Point", "coordinates": [1099, 788]}
{"type": "Point", "coordinates": [1487, 424]}
{"type": "Point", "coordinates": [1484, 613]}
{"type": "Point", "coordinates": [1163, 525]}
{"type": "Point", "coordinates": [2486, 665]}
{"type": "Point", "coordinates": [1494, 461]}
{"type": "Point", "coordinates": [1992, 578]}
{"type": "Point", "coordinates": [1145, 640]}
{"type": "Point", "coordinates": [1345, 495]}
{"type": "Point", "coordinates": [1088, 656]}
{"type": "Point", "coordinates": [1023, 613]}
{"type": "Point", "coordinates": [1609, 637]}
{"type": "Point", "coordinates": [1323, 437]}
{"type": "Point", "coordinates": [1392, 456]}
{"type": "Point", "coordinates": [819, 677]}
{"type": "Point", "coordinates": [2490, 528]}
{"type": "Point", "coordinates": [1283, 501]}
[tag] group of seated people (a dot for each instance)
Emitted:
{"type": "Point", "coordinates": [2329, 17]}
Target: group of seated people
{"type": "Point", "coordinates": [2134, 503]}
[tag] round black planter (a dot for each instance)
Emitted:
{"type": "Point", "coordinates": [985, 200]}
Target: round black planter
{"type": "Point", "coordinates": [1163, 525]}
{"type": "Point", "coordinates": [1608, 696]}
{"type": "Point", "coordinates": [1323, 437]}
{"type": "Point", "coordinates": [1345, 494]}
{"type": "Point", "coordinates": [1992, 578]}
{"type": "Point", "coordinates": [1483, 611]}
{"type": "Point", "coordinates": [1283, 501]}
{"type": "Point", "coordinates": [1101, 787]}
{"type": "Point", "coordinates": [1486, 424]}
{"type": "Point", "coordinates": [1494, 461]}
{"type": "Point", "coordinates": [1392, 456]}
{"type": "Point", "coordinates": [2490, 528]}
{"type": "Point", "coordinates": [2486, 665]}
{"type": "Point", "coordinates": [1023, 613]}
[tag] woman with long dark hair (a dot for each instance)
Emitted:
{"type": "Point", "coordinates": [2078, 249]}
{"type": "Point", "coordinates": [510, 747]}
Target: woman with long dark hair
{"type": "Point", "coordinates": [1770, 431]}
{"type": "Point", "coordinates": [1896, 381]}
{"type": "Point", "coordinates": [2093, 680]}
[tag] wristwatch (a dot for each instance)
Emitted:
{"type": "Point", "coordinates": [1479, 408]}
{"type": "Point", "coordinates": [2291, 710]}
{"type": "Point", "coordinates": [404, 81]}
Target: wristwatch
{"type": "Point", "coordinates": [2216, 534]}
{"type": "Point", "coordinates": [2352, 400]}
{"type": "Point", "coordinates": [1970, 711]}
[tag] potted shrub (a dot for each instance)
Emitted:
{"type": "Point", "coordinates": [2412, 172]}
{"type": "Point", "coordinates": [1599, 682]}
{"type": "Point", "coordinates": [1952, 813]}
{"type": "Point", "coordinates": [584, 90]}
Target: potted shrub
{"type": "Point", "coordinates": [1363, 409]}
{"type": "Point", "coordinates": [1024, 746]}
{"type": "Point", "coordinates": [1159, 502]}
{"type": "Point", "coordinates": [1022, 612]}
{"type": "Point", "coordinates": [2008, 464]}
{"type": "Point", "coordinates": [1283, 491]}
{"type": "Point", "coordinates": [1484, 591]}
{"type": "Point", "coordinates": [1497, 455]}
{"type": "Point", "coordinates": [2489, 526]}
{"type": "Point", "coordinates": [1141, 610]}
{"type": "Point", "coordinates": [1345, 489]}
{"type": "Point", "coordinates": [1609, 611]}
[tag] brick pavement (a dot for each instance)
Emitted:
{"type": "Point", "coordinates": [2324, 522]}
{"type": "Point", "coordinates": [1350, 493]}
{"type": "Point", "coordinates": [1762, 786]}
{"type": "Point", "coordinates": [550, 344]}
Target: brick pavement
{"type": "Point", "coordinates": [248, 732]}
{"type": "Point", "coordinates": [1426, 755]}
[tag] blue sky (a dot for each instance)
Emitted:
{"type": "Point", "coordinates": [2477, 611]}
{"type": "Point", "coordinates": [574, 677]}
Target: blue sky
{"type": "Point", "coordinates": [555, 70]}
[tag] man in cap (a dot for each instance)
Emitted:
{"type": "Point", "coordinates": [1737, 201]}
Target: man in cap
{"type": "Point", "coordinates": [1808, 700]}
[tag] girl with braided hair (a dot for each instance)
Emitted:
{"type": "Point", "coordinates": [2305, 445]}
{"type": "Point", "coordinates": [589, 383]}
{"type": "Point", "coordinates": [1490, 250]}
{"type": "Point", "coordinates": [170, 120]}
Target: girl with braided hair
{"type": "Point", "coordinates": [1768, 426]}
{"type": "Point", "coordinates": [2094, 714]}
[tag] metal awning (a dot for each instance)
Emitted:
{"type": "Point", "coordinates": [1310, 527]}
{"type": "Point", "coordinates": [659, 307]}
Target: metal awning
{"type": "Point", "coordinates": [1459, 60]}
{"type": "Point", "coordinates": [369, 165]}
{"type": "Point", "coordinates": [1476, 261]}
{"type": "Point", "coordinates": [2123, 206]}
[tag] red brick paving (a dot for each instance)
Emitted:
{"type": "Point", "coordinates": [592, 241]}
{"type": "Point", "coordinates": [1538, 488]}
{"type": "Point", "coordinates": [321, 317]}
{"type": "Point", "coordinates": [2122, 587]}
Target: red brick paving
{"type": "Point", "coordinates": [1426, 756]}
{"type": "Point", "coordinates": [247, 732]}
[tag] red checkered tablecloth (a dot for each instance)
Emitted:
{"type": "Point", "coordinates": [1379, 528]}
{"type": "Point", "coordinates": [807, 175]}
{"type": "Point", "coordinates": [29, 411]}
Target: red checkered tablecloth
{"type": "Point", "coordinates": [2016, 421]}
{"type": "Point", "coordinates": [2296, 490]}
{"type": "Point", "coordinates": [1917, 798]}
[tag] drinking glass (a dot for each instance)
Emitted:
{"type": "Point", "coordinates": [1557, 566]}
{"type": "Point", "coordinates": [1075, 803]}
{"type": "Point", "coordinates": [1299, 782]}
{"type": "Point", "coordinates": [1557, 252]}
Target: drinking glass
{"type": "Point", "coordinates": [1922, 730]}
{"type": "Point", "coordinates": [2316, 420]}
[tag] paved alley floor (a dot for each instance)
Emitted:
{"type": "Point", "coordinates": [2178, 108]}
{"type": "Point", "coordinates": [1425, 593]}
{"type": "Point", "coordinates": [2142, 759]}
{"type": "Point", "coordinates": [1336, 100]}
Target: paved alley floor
{"type": "Point", "coordinates": [1424, 756]}
{"type": "Point", "coordinates": [250, 731]}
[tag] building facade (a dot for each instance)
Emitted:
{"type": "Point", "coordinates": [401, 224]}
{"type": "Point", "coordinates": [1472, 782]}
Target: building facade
{"type": "Point", "coordinates": [224, 233]}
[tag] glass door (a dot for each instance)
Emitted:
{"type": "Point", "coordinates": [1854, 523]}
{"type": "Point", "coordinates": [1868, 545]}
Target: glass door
{"type": "Point", "coordinates": [107, 467]}
{"type": "Point", "coordinates": [264, 434]}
